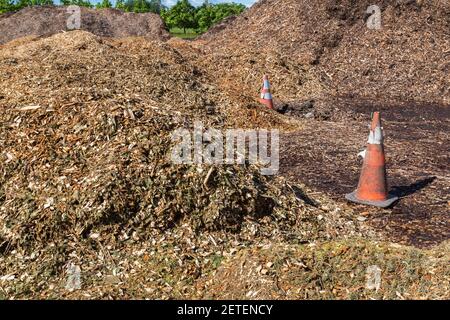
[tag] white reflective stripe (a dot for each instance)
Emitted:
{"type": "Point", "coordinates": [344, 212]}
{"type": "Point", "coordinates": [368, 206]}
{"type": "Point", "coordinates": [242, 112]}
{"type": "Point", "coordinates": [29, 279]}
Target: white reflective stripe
{"type": "Point", "coordinates": [267, 96]}
{"type": "Point", "coordinates": [376, 136]}
{"type": "Point", "coordinates": [266, 84]}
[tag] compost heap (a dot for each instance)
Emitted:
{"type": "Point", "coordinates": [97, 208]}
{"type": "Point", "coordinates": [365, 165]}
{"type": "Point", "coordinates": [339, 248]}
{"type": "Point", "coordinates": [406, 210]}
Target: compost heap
{"type": "Point", "coordinates": [86, 182]}
{"type": "Point", "coordinates": [86, 128]}
{"type": "Point", "coordinates": [48, 20]}
{"type": "Point", "coordinates": [315, 49]}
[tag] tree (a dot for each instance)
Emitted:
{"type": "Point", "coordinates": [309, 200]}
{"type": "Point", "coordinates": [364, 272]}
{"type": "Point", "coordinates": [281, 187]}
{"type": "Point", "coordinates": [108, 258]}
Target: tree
{"type": "Point", "coordinates": [224, 10]}
{"type": "Point", "coordinates": [156, 6]}
{"type": "Point", "coordinates": [27, 3]}
{"type": "Point", "coordinates": [128, 5]}
{"type": "Point", "coordinates": [81, 3]}
{"type": "Point", "coordinates": [120, 4]}
{"type": "Point", "coordinates": [181, 15]}
{"type": "Point", "coordinates": [104, 4]}
{"type": "Point", "coordinates": [205, 16]}
{"type": "Point", "coordinates": [208, 14]}
{"type": "Point", "coordinates": [6, 6]}
{"type": "Point", "coordinates": [140, 6]}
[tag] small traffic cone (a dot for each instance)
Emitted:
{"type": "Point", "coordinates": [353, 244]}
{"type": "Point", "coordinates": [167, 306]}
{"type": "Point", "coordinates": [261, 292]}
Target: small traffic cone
{"type": "Point", "coordinates": [266, 96]}
{"type": "Point", "coordinates": [372, 186]}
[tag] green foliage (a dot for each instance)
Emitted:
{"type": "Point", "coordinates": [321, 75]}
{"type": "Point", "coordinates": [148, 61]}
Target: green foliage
{"type": "Point", "coordinates": [203, 17]}
{"type": "Point", "coordinates": [81, 3]}
{"type": "Point", "coordinates": [104, 4]}
{"type": "Point", "coordinates": [120, 4]}
{"type": "Point", "coordinates": [181, 15]}
{"type": "Point", "coordinates": [6, 6]}
{"type": "Point", "coordinates": [140, 6]}
{"type": "Point", "coordinates": [11, 5]}
{"type": "Point", "coordinates": [224, 10]}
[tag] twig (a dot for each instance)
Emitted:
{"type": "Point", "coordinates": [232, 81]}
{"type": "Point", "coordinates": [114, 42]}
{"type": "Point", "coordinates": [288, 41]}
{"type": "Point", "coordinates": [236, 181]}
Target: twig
{"type": "Point", "coordinates": [208, 176]}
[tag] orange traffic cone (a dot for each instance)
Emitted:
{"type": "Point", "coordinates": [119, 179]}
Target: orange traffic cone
{"type": "Point", "coordinates": [266, 96]}
{"type": "Point", "coordinates": [372, 186]}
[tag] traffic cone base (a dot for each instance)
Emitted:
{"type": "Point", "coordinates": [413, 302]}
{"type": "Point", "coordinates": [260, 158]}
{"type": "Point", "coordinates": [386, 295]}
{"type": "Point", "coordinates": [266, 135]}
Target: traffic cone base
{"type": "Point", "coordinates": [377, 203]}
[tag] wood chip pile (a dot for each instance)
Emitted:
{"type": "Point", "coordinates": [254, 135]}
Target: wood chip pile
{"type": "Point", "coordinates": [321, 48]}
{"type": "Point", "coordinates": [48, 20]}
{"type": "Point", "coordinates": [86, 179]}
{"type": "Point", "coordinates": [86, 128]}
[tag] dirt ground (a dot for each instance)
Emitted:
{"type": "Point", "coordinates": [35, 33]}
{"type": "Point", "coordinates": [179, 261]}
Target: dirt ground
{"type": "Point", "coordinates": [323, 155]}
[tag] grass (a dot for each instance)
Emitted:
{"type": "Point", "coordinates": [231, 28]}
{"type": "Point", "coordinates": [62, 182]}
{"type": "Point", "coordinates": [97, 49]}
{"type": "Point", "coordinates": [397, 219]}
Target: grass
{"type": "Point", "coordinates": [177, 32]}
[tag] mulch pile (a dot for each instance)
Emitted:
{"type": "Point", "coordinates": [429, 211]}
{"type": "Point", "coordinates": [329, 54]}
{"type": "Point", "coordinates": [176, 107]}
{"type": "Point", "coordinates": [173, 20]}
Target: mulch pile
{"type": "Point", "coordinates": [327, 67]}
{"type": "Point", "coordinates": [86, 126]}
{"type": "Point", "coordinates": [86, 182]}
{"type": "Point", "coordinates": [324, 48]}
{"type": "Point", "coordinates": [86, 139]}
{"type": "Point", "coordinates": [48, 20]}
